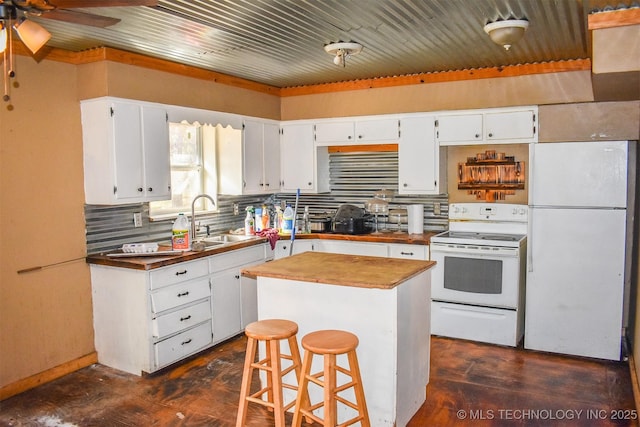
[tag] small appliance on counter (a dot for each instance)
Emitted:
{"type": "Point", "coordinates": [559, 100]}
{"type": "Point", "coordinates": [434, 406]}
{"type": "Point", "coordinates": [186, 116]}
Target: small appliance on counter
{"type": "Point", "coordinates": [350, 219]}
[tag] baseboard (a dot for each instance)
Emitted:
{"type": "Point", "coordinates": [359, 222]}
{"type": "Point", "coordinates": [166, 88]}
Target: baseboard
{"type": "Point", "coordinates": [48, 375]}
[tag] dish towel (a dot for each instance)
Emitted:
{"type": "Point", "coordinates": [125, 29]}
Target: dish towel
{"type": "Point", "coordinates": [271, 234]}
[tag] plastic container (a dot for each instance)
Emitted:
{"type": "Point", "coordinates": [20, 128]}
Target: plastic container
{"type": "Point", "coordinates": [306, 221]}
{"type": "Point", "coordinates": [277, 219]}
{"type": "Point", "coordinates": [266, 220]}
{"type": "Point", "coordinates": [180, 239]}
{"type": "Point", "coordinates": [258, 220]}
{"type": "Point", "coordinates": [287, 220]}
{"type": "Point", "coordinates": [249, 229]}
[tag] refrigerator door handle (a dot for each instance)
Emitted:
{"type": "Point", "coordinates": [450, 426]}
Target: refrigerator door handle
{"type": "Point", "coordinates": [530, 242]}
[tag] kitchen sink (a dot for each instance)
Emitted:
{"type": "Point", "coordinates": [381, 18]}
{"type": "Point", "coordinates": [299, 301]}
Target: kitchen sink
{"type": "Point", "coordinates": [227, 238]}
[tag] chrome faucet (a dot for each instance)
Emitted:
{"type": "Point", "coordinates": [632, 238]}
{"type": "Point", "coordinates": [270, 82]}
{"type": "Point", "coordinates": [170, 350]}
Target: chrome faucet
{"type": "Point", "coordinates": [193, 214]}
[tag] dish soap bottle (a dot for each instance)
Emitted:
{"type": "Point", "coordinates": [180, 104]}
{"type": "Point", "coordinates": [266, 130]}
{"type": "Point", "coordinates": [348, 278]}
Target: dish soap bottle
{"type": "Point", "coordinates": [180, 234]}
{"type": "Point", "coordinates": [248, 222]}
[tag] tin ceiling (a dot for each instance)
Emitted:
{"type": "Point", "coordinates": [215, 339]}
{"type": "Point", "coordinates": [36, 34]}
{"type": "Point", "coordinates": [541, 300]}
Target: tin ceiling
{"type": "Point", "coordinates": [280, 42]}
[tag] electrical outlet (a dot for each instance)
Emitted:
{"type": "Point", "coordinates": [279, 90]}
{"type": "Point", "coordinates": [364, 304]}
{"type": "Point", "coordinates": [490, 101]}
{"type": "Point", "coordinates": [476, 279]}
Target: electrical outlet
{"type": "Point", "coordinates": [436, 208]}
{"type": "Point", "coordinates": [236, 209]}
{"type": "Point", "coordinates": [137, 219]}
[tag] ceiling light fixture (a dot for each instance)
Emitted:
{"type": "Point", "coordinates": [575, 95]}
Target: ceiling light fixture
{"type": "Point", "coordinates": [342, 51]}
{"type": "Point", "coordinates": [507, 32]}
{"type": "Point", "coordinates": [32, 35]}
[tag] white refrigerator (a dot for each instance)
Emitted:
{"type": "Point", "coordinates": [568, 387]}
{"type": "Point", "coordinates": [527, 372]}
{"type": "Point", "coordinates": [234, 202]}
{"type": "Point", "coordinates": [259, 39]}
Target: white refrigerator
{"type": "Point", "coordinates": [581, 197]}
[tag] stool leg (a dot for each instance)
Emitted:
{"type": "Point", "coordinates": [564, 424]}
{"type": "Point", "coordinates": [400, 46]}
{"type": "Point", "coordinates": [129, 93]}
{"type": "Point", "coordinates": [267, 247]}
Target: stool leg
{"type": "Point", "coordinates": [295, 356]}
{"type": "Point", "coordinates": [276, 383]}
{"type": "Point", "coordinates": [330, 403]}
{"type": "Point", "coordinates": [246, 382]}
{"type": "Point", "coordinates": [302, 402]}
{"type": "Point", "coordinates": [358, 389]}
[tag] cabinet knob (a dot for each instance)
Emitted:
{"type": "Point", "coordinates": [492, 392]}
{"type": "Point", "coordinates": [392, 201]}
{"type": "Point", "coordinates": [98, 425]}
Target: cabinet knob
{"type": "Point", "coordinates": [266, 184]}
{"type": "Point", "coordinates": [309, 183]}
{"type": "Point", "coordinates": [349, 137]}
{"type": "Point", "coordinates": [237, 276]}
{"type": "Point", "coordinates": [490, 135]}
{"type": "Point", "coordinates": [477, 135]}
{"type": "Point", "coordinates": [359, 136]}
{"type": "Point", "coordinates": [150, 189]}
{"type": "Point", "coordinates": [140, 189]}
{"type": "Point", "coordinates": [405, 185]}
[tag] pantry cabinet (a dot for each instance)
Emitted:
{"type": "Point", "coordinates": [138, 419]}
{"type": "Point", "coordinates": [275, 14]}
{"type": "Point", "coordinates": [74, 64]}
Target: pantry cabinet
{"type": "Point", "coordinates": [125, 151]}
{"type": "Point", "coordinates": [419, 157]}
{"type": "Point", "coordinates": [492, 126]}
{"type": "Point", "coordinates": [302, 166]}
{"type": "Point", "coordinates": [250, 164]}
{"type": "Point", "coordinates": [354, 132]}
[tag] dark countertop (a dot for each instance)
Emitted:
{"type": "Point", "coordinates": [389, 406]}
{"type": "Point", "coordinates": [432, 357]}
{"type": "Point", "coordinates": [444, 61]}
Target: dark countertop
{"type": "Point", "coordinates": [152, 262]}
{"type": "Point", "coordinates": [339, 269]}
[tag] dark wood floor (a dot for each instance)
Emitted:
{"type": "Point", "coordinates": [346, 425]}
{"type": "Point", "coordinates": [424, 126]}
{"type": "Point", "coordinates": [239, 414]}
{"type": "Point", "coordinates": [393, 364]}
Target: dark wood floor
{"type": "Point", "coordinates": [471, 384]}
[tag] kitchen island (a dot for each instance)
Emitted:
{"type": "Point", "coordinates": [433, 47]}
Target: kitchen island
{"type": "Point", "coordinates": [384, 301]}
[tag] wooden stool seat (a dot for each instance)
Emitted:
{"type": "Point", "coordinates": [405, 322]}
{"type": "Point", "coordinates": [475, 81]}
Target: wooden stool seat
{"type": "Point", "coordinates": [271, 331]}
{"type": "Point", "coordinates": [329, 344]}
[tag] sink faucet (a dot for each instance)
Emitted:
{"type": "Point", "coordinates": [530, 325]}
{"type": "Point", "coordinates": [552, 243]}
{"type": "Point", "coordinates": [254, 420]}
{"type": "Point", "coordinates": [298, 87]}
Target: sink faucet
{"type": "Point", "coordinates": [193, 214]}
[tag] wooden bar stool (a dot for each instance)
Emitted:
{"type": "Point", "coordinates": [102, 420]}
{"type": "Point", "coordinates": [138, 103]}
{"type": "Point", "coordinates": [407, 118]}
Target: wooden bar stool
{"type": "Point", "coordinates": [271, 331]}
{"type": "Point", "coordinates": [329, 344]}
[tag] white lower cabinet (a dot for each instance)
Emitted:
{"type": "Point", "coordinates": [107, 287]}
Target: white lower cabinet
{"type": "Point", "coordinates": [147, 320]}
{"type": "Point", "coordinates": [390, 250]}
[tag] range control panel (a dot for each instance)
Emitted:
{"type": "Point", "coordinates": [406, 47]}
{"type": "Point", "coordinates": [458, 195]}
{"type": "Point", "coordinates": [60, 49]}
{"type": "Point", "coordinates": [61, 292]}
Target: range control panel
{"type": "Point", "coordinates": [488, 212]}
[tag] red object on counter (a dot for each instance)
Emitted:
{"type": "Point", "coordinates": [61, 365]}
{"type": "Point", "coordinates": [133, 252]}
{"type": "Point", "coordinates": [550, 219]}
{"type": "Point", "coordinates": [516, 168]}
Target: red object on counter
{"type": "Point", "coordinates": [271, 234]}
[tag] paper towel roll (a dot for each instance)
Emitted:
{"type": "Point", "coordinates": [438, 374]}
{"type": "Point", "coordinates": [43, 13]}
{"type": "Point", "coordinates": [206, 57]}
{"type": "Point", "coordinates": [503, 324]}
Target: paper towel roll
{"type": "Point", "coordinates": [415, 215]}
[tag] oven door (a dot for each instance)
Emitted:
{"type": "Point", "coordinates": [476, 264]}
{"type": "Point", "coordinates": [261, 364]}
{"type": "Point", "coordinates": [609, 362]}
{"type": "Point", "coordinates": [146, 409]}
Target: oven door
{"type": "Point", "coordinates": [472, 274]}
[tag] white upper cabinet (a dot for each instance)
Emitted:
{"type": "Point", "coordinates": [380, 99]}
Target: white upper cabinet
{"type": "Point", "coordinates": [354, 132]}
{"type": "Point", "coordinates": [494, 126]}
{"type": "Point", "coordinates": [418, 157]}
{"type": "Point", "coordinates": [126, 151]}
{"type": "Point", "coordinates": [251, 165]}
{"type": "Point", "coordinates": [302, 165]}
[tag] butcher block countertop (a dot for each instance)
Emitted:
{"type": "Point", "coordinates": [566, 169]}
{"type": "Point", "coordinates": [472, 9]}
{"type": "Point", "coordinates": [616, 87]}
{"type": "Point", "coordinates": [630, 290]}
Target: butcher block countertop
{"type": "Point", "coordinates": [150, 262]}
{"type": "Point", "coordinates": [339, 269]}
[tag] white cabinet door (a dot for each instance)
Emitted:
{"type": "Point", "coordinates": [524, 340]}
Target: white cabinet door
{"type": "Point", "coordinates": [157, 165]}
{"type": "Point", "coordinates": [328, 132]}
{"type": "Point", "coordinates": [225, 304]}
{"type": "Point", "coordinates": [460, 129]}
{"type": "Point", "coordinates": [283, 247]}
{"type": "Point", "coordinates": [127, 143]}
{"type": "Point", "coordinates": [271, 157]}
{"type": "Point", "coordinates": [418, 157]}
{"type": "Point", "coordinates": [514, 126]}
{"type": "Point", "coordinates": [303, 166]}
{"type": "Point", "coordinates": [253, 157]}
{"type": "Point", "coordinates": [377, 130]}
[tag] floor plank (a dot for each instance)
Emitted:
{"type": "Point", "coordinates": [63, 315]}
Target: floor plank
{"type": "Point", "coordinates": [471, 384]}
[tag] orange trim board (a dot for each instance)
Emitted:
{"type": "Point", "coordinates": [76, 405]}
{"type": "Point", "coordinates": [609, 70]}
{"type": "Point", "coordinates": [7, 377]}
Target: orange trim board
{"type": "Point", "coordinates": [614, 18]}
{"type": "Point", "coordinates": [124, 57]}
{"type": "Point", "coordinates": [47, 376]}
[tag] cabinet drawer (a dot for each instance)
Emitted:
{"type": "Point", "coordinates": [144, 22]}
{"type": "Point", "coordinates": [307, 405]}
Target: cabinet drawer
{"type": "Point", "coordinates": [179, 346]}
{"type": "Point", "coordinates": [180, 294]}
{"type": "Point", "coordinates": [420, 252]}
{"type": "Point", "coordinates": [184, 318]}
{"type": "Point", "coordinates": [178, 273]}
{"type": "Point", "coordinates": [252, 254]}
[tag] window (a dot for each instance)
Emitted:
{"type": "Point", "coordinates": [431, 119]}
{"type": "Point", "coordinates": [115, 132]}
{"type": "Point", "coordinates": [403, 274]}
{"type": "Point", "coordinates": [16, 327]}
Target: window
{"type": "Point", "coordinates": [193, 171]}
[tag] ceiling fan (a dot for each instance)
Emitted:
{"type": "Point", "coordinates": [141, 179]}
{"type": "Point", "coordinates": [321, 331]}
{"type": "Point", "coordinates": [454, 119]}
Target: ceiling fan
{"type": "Point", "coordinates": [62, 10]}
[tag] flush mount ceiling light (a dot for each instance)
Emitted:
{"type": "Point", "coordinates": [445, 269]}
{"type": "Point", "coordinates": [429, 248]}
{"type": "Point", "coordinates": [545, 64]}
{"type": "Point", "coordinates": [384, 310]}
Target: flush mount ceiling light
{"type": "Point", "coordinates": [507, 32]}
{"type": "Point", "coordinates": [342, 51]}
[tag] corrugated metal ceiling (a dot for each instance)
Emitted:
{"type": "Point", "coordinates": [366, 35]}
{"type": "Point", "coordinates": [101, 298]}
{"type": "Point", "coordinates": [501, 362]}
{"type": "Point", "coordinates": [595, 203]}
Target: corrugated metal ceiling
{"type": "Point", "coordinates": [280, 42]}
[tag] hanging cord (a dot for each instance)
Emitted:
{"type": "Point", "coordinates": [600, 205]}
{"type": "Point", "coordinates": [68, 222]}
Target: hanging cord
{"type": "Point", "coordinates": [54, 264]}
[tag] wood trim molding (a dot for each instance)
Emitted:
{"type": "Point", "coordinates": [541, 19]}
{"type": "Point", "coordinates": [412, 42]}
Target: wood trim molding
{"type": "Point", "coordinates": [441, 77]}
{"type": "Point", "coordinates": [614, 18]}
{"type": "Point", "coordinates": [124, 57]}
{"type": "Point", "coordinates": [48, 375]}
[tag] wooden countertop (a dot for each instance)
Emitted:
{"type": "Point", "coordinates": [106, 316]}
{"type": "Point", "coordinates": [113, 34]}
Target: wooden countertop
{"type": "Point", "coordinates": [339, 269]}
{"type": "Point", "coordinates": [149, 263]}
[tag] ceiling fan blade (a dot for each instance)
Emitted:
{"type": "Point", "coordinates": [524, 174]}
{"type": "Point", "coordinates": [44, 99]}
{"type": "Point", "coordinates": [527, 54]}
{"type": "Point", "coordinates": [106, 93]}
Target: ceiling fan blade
{"type": "Point", "coordinates": [73, 4]}
{"type": "Point", "coordinates": [81, 18]}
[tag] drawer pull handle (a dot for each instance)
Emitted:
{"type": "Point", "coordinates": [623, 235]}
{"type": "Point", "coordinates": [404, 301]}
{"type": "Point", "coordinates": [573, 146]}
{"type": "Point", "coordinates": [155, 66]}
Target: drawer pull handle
{"type": "Point", "coordinates": [182, 319]}
{"type": "Point", "coordinates": [180, 273]}
{"type": "Point", "coordinates": [406, 253]}
{"type": "Point", "coordinates": [186, 342]}
{"type": "Point", "coordinates": [183, 294]}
